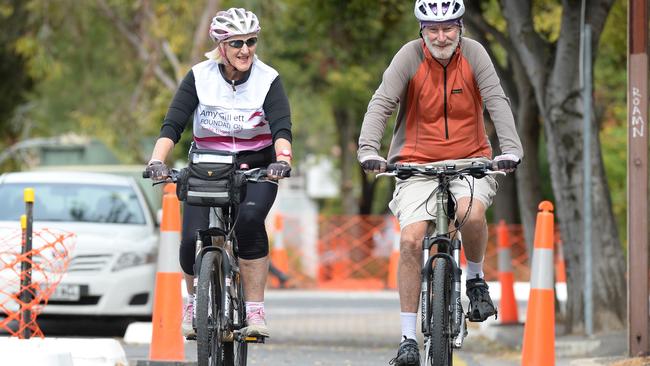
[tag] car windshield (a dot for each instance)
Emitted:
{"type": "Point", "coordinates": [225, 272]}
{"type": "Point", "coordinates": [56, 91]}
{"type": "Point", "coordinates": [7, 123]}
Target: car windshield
{"type": "Point", "coordinates": [73, 203]}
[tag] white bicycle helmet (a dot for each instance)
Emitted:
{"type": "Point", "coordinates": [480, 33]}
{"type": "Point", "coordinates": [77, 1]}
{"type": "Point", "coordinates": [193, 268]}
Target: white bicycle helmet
{"type": "Point", "coordinates": [232, 22]}
{"type": "Point", "coordinates": [439, 10]}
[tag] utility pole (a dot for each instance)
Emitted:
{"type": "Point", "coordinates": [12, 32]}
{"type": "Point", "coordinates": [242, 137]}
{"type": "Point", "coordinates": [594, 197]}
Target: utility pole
{"type": "Point", "coordinates": [637, 178]}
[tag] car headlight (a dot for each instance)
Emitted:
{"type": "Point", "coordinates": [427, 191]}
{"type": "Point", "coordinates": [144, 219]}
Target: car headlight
{"type": "Point", "coordinates": [132, 259]}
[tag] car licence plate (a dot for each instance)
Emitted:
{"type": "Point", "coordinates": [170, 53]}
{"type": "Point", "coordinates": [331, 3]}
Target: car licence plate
{"type": "Point", "coordinates": [66, 292]}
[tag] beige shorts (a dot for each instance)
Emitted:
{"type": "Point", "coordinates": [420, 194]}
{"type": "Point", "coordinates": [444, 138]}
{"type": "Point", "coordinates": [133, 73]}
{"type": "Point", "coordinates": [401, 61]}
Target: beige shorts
{"type": "Point", "coordinates": [414, 200]}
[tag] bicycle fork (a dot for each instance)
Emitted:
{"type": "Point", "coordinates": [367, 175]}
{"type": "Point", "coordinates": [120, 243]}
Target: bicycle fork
{"type": "Point", "coordinates": [459, 326]}
{"type": "Point", "coordinates": [458, 323]}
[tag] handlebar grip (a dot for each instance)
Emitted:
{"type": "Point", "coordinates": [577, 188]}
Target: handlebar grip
{"type": "Point", "coordinates": [390, 167]}
{"type": "Point", "coordinates": [146, 174]}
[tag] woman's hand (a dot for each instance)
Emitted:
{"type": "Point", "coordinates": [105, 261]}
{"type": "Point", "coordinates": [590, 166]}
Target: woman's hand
{"type": "Point", "coordinates": [278, 170]}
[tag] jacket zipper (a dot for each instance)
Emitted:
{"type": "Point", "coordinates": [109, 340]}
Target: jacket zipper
{"type": "Point", "coordinates": [445, 105]}
{"type": "Point", "coordinates": [232, 112]}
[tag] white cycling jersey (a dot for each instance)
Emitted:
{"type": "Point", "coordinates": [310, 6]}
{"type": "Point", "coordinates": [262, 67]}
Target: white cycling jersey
{"type": "Point", "coordinates": [231, 117]}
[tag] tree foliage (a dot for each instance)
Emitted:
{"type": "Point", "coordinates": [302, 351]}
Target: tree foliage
{"type": "Point", "coordinates": [14, 72]}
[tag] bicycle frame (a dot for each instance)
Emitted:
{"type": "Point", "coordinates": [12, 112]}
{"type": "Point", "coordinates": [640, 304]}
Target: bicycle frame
{"type": "Point", "coordinates": [220, 226]}
{"type": "Point", "coordinates": [450, 250]}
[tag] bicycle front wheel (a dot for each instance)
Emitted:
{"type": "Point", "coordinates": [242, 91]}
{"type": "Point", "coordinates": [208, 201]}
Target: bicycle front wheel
{"type": "Point", "coordinates": [240, 349]}
{"type": "Point", "coordinates": [210, 348]}
{"type": "Point", "coordinates": [440, 353]}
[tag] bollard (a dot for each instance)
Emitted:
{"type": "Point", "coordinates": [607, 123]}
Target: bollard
{"type": "Point", "coordinates": [279, 256]}
{"type": "Point", "coordinates": [167, 338]}
{"type": "Point", "coordinates": [393, 262]}
{"type": "Point", "coordinates": [26, 223]}
{"type": "Point", "coordinates": [539, 333]}
{"type": "Point", "coordinates": [560, 267]}
{"type": "Point", "coordinates": [508, 305]}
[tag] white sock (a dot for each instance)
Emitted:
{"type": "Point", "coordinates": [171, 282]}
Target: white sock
{"type": "Point", "coordinates": [408, 325]}
{"type": "Point", "coordinates": [253, 305]}
{"type": "Point", "coordinates": [474, 269]}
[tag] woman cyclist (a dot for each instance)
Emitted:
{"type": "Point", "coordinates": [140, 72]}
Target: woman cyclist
{"type": "Point", "coordinates": [239, 106]}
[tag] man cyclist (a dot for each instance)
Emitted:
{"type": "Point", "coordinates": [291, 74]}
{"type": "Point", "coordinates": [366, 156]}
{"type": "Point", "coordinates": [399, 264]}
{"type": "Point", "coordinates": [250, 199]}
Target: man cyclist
{"type": "Point", "coordinates": [238, 105]}
{"type": "Point", "coordinates": [441, 82]}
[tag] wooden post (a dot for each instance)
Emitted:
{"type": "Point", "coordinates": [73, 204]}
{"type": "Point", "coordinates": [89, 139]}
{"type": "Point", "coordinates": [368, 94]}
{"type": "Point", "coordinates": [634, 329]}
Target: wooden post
{"type": "Point", "coordinates": [637, 178]}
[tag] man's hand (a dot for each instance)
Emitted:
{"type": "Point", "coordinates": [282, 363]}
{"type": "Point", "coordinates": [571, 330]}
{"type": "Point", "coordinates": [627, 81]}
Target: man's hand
{"type": "Point", "coordinates": [373, 164]}
{"type": "Point", "coordinates": [507, 162]}
{"type": "Point", "coordinates": [157, 170]}
{"type": "Point", "coordinates": [278, 170]}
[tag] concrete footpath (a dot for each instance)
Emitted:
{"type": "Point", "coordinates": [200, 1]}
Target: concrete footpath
{"type": "Point", "coordinates": [371, 320]}
{"type": "Point", "coordinates": [328, 328]}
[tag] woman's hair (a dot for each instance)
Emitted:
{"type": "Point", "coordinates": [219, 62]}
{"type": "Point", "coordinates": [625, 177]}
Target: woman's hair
{"type": "Point", "coordinates": [214, 55]}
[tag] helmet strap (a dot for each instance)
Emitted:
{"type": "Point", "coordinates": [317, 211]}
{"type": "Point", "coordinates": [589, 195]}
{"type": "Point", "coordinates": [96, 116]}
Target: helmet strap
{"type": "Point", "coordinates": [224, 56]}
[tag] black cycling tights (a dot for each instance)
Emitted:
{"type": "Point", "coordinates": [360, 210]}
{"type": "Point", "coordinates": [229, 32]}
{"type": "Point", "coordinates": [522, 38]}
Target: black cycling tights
{"type": "Point", "coordinates": [250, 230]}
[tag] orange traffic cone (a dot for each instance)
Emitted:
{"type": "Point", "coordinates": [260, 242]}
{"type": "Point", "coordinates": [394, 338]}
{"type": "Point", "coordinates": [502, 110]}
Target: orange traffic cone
{"type": "Point", "coordinates": [279, 255]}
{"type": "Point", "coordinates": [394, 257]}
{"type": "Point", "coordinates": [560, 269]}
{"type": "Point", "coordinates": [508, 304]}
{"type": "Point", "coordinates": [539, 333]}
{"type": "Point", "coordinates": [167, 339]}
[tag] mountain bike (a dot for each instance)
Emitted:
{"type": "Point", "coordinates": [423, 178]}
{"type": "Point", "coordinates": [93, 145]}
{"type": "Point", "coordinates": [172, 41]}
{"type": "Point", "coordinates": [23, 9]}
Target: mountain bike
{"type": "Point", "coordinates": [444, 323]}
{"type": "Point", "coordinates": [220, 311]}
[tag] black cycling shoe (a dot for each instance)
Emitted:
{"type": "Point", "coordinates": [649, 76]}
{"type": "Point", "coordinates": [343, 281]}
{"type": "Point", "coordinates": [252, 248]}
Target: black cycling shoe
{"type": "Point", "coordinates": [408, 354]}
{"type": "Point", "coordinates": [480, 303]}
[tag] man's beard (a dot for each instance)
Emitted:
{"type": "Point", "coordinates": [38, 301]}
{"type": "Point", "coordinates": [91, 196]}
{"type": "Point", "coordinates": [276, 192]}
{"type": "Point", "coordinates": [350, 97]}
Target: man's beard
{"type": "Point", "coordinates": [444, 53]}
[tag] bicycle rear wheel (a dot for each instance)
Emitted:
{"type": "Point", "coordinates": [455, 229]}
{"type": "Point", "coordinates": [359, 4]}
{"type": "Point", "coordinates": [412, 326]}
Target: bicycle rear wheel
{"type": "Point", "coordinates": [211, 351]}
{"type": "Point", "coordinates": [440, 353]}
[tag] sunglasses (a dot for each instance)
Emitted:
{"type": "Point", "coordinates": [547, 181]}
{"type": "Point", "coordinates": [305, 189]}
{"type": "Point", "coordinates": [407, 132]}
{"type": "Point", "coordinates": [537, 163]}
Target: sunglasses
{"type": "Point", "coordinates": [240, 42]}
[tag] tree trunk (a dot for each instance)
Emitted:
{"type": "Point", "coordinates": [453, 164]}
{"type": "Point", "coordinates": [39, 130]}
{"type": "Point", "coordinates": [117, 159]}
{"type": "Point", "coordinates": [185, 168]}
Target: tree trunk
{"type": "Point", "coordinates": [558, 96]}
{"type": "Point", "coordinates": [518, 88]}
{"type": "Point", "coordinates": [505, 201]}
{"type": "Point", "coordinates": [200, 33]}
{"type": "Point", "coordinates": [529, 192]}
{"type": "Point", "coordinates": [345, 129]}
{"type": "Point", "coordinates": [368, 185]}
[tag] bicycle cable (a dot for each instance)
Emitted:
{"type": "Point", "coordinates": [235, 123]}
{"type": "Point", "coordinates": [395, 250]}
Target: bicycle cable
{"type": "Point", "coordinates": [469, 207]}
{"type": "Point", "coordinates": [446, 185]}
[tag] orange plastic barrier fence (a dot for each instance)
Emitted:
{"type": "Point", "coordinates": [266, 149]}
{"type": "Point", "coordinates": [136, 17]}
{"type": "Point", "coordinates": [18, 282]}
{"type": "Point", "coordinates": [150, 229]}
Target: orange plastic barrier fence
{"type": "Point", "coordinates": [354, 254]}
{"type": "Point", "coordinates": [354, 251]}
{"type": "Point", "coordinates": [288, 239]}
{"type": "Point", "coordinates": [49, 262]}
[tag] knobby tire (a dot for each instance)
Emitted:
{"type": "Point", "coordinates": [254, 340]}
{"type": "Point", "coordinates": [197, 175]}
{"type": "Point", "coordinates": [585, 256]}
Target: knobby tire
{"type": "Point", "coordinates": [441, 347]}
{"type": "Point", "coordinates": [211, 351]}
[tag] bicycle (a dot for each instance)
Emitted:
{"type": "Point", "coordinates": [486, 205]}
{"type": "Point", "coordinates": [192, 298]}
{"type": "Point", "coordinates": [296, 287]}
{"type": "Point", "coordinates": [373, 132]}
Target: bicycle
{"type": "Point", "coordinates": [443, 319]}
{"type": "Point", "coordinates": [220, 311]}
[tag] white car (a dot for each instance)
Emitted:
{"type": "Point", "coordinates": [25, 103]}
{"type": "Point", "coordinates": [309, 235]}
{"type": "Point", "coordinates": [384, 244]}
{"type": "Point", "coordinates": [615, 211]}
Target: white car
{"type": "Point", "coordinates": [113, 265]}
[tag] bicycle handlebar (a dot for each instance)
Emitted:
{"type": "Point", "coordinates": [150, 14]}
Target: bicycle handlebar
{"type": "Point", "coordinates": [252, 175]}
{"type": "Point", "coordinates": [477, 168]}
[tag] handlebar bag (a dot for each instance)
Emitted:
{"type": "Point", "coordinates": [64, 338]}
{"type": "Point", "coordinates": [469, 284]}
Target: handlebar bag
{"type": "Point", "coordinates": [211, 180]}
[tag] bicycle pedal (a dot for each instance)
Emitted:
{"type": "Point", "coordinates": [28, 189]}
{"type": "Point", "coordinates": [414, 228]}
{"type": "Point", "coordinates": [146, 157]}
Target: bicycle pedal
{"type": "Point", "coordinates": [191, 337]}
{"type": "Point", "coordinates": [255, 339]}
